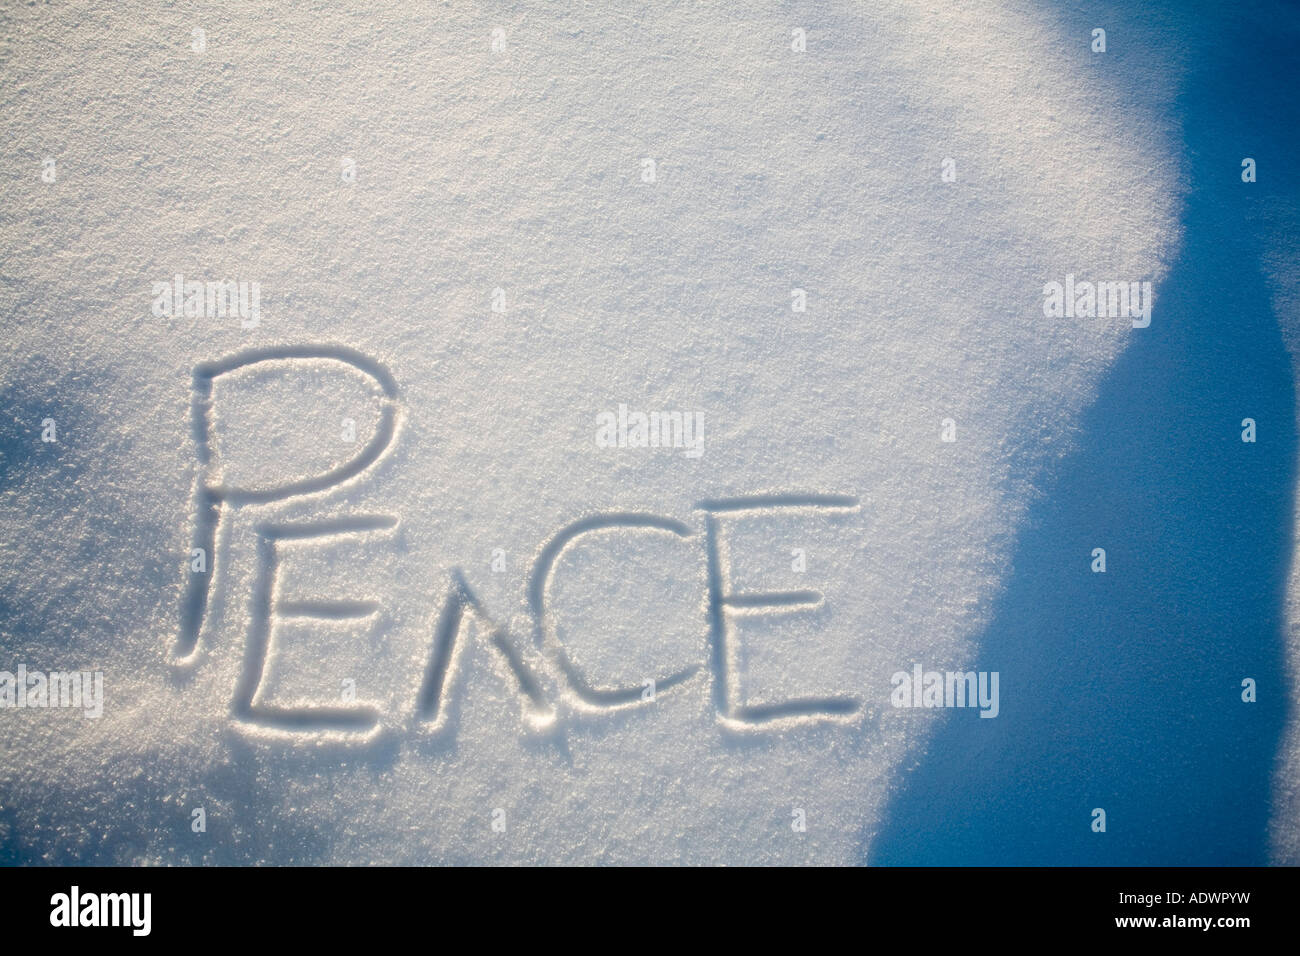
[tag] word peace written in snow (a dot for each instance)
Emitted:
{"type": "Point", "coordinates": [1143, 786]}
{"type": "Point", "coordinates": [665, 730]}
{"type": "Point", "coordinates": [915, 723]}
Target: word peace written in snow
{"type": "Point", "coordinates": [217, 499]}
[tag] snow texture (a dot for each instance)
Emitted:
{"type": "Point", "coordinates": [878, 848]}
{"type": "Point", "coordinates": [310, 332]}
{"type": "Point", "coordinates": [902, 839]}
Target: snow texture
{"type": "Point", "coordinates": [461, 250]}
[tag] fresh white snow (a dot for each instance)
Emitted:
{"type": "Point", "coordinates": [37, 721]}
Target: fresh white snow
{"type": "Point", "coordinates": [523, 170]}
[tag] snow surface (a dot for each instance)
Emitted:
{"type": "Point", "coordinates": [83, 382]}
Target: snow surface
{"type": "Point", "coordinates": [522, 170]}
